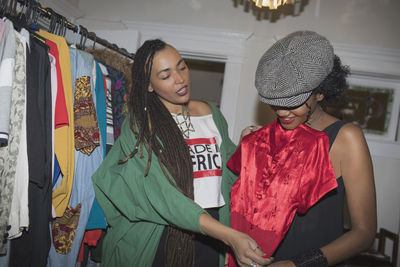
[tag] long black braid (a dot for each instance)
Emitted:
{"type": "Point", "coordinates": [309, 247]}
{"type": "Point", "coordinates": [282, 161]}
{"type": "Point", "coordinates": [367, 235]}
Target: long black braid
{"type": "Point", "coordinates": [156, 130]}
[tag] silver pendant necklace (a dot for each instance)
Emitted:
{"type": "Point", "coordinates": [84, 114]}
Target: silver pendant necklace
{"type": "Point", "coordinates": [184, 122]}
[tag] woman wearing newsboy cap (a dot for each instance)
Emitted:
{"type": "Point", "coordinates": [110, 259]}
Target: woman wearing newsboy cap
{"type": "Point", "coordinates": [296, 172]}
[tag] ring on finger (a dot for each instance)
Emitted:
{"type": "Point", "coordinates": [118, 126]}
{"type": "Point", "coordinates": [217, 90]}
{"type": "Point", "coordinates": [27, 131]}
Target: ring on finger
{"type": "Point", "coordinates": [253, 264]}
{"type": "Point", "coordinates": [251, 128]}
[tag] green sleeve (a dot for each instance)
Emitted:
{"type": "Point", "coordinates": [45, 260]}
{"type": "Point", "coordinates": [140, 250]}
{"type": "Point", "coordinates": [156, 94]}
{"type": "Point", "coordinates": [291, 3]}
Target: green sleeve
{"type": "Point", "coordinates": [122, 189]}
{"type": "Point", "coordinates": [125, 191]}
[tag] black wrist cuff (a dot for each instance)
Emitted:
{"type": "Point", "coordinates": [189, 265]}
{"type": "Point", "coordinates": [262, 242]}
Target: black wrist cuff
{"type": "Point", "coordinates": [311, 258]}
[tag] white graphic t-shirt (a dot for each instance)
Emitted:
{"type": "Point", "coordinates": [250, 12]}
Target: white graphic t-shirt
{"type": "Point", "coordinates": [204, 143]}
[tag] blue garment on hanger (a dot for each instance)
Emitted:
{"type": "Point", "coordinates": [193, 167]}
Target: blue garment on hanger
{"type": "Point", "coordinates": [57, 171]}
{"type": "Point", "coordinates": [96, 218]}
{"type": "Point", "coordinates": [101, 106]}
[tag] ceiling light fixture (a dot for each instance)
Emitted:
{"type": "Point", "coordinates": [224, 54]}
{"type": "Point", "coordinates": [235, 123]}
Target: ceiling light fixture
{"type": "Point", "coordinates": [272, 4]}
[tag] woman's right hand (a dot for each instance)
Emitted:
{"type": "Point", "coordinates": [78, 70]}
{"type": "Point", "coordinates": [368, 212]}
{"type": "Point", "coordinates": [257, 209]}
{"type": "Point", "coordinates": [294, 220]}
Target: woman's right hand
{"type": "Point", "coordinates": [246, 250]}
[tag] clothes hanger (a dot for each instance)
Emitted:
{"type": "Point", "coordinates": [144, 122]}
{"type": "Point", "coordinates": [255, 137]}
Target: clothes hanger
{"type": "Point", "coordinates": [84, 35]}
{"type": "Point", "coordinates": [78, 30]}
{"type": "Point", "coordinates": [33, 26]}
{"type": "Point", "coordinates": [94, 41]}
{"type": "Point", "coordinates": [82, 41]}
{"type": "Point", "coordinates": [59, 25]}
{"type": "Point", "coordinates": [35, 16]}
{"type": "Point", "coordinates": [28, 12]}
{"type": "Point", "coordinates": [13, 15]}
{"type": "Point", "coordinates": [13, 7]}
{"type": "Point", "coordinates": [4, 4]}
{"type": "Point", "coordinates": [22, 17]}
{"type": "Point", "coordinates": [53, 22]}
{"type": "Point", "coordinates": [63, 26]}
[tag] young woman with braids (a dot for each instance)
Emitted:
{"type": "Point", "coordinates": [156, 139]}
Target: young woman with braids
{"type": "Point", "coordinates": [165, 175]}
{"type": "Point", "coordinates": [297, 172]}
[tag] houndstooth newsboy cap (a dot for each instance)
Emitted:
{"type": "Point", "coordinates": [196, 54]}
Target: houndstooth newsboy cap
{"type": "Point", "coordinates": [295, 65]}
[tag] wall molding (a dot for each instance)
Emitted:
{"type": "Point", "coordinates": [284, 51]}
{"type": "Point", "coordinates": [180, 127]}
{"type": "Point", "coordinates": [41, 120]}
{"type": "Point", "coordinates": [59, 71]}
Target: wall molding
{"type": "Point", "coordinates": [231, 40]}
{"type": "Point", "coordinates": [373, 61]}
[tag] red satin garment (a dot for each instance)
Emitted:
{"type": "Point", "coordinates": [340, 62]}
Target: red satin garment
{"type": "Point", "coordinates": [281, 172]}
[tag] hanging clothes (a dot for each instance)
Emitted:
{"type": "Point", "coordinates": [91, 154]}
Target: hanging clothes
{"type": "Point", "coordinates": [2, 28]}
{"type": "Point", "coordinates": [31, 249]}
{"type": "Point", "coordinates": [96, 217]}
{"type": "Point", "coordinates": [118, 92]}
{"type": "Point", "coordinates": [13, 95]}
{"type": "Point", "coordinates": [109, 112]}
{"type": "Point", "coordinates": [60, 112]}
{"type": "Point", "coordinates": [53, 124]}
{"type": "Point", "coordinates": [86, 161]}
{"type": "Point", "coordinates": [64, 136]}
{"type": "Point", "coordinates": [97, 222]}
{"type": "Point", "coordinates": [101, 105]}
{"type": "Point", "coordinates": [7, 57]}
{"type": "Point", "coordinates": [54, 87]}
{"type": "Point", "coordinates": [19, 214]}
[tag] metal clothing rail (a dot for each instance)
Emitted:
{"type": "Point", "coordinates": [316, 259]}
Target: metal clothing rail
{"type": "Point", "coordinates": [58, 23]}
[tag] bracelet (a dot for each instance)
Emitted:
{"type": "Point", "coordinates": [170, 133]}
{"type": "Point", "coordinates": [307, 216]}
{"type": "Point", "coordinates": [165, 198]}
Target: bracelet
{"type": "Point", "coordinates": [311, 258]}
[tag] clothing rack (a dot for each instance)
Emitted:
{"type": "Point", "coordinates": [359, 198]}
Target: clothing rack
{"type": "Point", "coordinates": [58, 23]}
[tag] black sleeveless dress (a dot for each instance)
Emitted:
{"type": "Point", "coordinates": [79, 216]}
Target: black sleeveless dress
{"type": "Point", "coordinates": [322, 223]}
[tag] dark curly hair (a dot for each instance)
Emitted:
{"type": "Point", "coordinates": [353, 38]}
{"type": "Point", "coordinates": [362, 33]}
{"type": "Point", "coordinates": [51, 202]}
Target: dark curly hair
{"type": "Point", "coordinates": [335, 83]}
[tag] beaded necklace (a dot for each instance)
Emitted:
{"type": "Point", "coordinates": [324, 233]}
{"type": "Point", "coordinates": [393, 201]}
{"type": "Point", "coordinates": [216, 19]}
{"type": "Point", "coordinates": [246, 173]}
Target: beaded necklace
{"type": "Point", "coordinates": [184, 122]}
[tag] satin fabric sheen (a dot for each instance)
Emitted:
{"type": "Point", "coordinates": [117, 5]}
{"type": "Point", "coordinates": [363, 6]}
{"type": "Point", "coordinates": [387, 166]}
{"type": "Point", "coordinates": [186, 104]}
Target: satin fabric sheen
{"type": "Point", "coordinates": [281, 172]}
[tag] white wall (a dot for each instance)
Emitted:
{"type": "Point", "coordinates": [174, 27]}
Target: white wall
{"type": "Point", "coordinates": [369, 22]}
{"type": "Point", "coordinates": [371, 25]}
{"type": "Point", "coordinates": [206, 85]}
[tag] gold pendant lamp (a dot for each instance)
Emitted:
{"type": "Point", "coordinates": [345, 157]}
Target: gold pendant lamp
{"type": "Point", "coordinates": [272, 4]}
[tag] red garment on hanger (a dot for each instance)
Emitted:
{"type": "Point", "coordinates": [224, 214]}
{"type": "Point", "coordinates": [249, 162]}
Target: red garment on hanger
{"type": "Point", "coordinates": [60, 114]}
{"type": "Point", "coordinates": [281, 172]}
{"type": "Point", "coordinates": [90, 238]}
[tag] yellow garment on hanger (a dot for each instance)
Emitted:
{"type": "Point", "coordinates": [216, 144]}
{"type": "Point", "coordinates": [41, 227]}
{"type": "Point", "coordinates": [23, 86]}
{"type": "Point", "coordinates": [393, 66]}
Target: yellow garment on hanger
{"type": "Point", "coordinates": [64, 145]}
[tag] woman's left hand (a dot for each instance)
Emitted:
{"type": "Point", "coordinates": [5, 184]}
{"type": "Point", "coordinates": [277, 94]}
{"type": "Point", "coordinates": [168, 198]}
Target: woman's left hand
{"type": "Point", "coordinates": [249, 129]}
